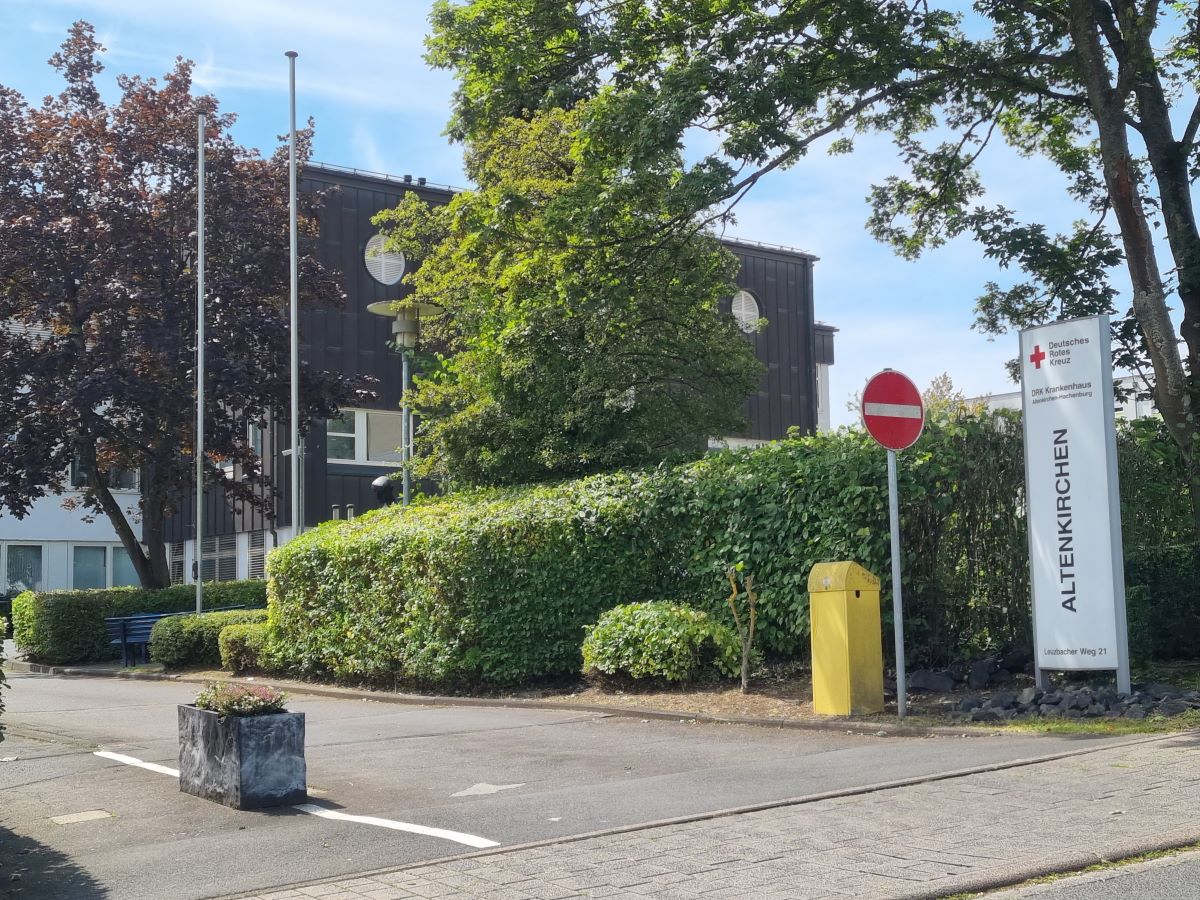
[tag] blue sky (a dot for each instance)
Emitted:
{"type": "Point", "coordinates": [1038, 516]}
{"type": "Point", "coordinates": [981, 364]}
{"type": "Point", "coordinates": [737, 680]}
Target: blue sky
{"type": "Point", "coordinates": [377, 107]}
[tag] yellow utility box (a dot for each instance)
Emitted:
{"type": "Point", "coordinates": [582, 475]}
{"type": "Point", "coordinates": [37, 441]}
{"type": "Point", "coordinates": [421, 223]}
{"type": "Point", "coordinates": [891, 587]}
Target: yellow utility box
{"type": "Point", "coordinates": [847, 644]}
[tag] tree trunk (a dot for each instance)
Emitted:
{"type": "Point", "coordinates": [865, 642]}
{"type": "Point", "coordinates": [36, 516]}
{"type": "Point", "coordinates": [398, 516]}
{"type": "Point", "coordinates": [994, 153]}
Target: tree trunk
{"type": "Point", "coordinates": [1171, 386]}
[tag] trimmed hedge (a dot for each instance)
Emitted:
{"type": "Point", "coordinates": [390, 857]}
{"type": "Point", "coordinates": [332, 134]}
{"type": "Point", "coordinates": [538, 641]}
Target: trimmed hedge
{"type": "Point", "coordinates": [496, 586]}
{"type": "Point", "coordinates": [62, 627]}
{"type": "Point", "coordinates": [179, 641]}
{"type": "Point", "coordinates": [245, 648]}
{"type": "Point", "coordinates": [659, 641]}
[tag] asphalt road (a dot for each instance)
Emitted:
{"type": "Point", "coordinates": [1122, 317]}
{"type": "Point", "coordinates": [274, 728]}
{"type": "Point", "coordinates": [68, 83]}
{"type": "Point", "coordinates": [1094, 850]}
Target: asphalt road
{"type": "Point", "coordinates": [506, 775]}
{"type": "Point", "coordinates": [1169, 878]}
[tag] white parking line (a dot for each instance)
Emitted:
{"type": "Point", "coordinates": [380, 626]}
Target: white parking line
{"type": "Point", "coordinates": [131, 761]}
{"type": "Point", "coordinates": [458, 837]}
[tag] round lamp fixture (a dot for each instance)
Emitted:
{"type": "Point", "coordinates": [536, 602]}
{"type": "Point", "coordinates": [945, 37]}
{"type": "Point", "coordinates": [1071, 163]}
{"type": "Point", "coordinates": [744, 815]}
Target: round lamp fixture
{"type": "Point", "coordinates": [745, 311]}
{"type": "Point", "coordinates": [385, 266]}
{"type": "Point", "coordinates": [406, 318]}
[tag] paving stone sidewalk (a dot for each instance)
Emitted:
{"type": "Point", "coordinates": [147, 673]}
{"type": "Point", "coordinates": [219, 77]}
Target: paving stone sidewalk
{"type": "Point", "coordinates": [924, 840]}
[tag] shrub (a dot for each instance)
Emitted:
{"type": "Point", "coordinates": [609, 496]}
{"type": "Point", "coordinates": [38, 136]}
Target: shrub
{"type": "Point", "coordinates": [178, 641]}
{"type": "Point", "coordinates": [245, 648]}
{"type": "Point", "coordinates": [241, 699]}
{"type": "Point", "coordinates": [61, 627]}
{"type": "Point", "coordinates": [659, 641]}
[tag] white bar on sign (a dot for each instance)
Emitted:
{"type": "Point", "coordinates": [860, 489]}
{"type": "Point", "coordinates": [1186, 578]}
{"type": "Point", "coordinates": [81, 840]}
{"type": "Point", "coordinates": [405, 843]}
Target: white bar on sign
{"type": "Point", "coordinates": [895, 410]}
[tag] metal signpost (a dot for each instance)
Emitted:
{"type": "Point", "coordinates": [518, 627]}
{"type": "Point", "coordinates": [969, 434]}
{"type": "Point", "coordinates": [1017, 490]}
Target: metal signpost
{"type": "Point", "coordinates": [1076, 562]}
{"type": "Point", "coordinates": [894, 414]}
{"type": "Point", "coordinates": [198, 564]}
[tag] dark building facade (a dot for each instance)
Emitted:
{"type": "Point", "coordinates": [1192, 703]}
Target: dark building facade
{"type": "Point", "coordinates": [342, 458]}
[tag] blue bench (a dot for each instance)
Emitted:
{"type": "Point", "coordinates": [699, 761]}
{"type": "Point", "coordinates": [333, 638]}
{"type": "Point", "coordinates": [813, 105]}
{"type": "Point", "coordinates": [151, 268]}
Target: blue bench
{"type": "Point", "coordinates": [133, 632]}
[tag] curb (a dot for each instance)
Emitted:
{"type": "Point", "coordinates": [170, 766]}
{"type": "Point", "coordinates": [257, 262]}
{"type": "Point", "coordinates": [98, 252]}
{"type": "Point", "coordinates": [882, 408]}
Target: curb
{"type": "Point", "coordinates": [840, 725]}
{"type": "Point", "coordinates": [968, 885]}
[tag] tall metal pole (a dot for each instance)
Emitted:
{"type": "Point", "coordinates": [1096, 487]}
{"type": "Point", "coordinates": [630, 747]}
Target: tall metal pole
{"type": "Point", "coordinates": [897, 604]}
{"type": "Point", "coordinates": [294, 306]}
{"type": "Point", "coordinates": [406, 427]}
{"type": "Point", "coordinates": [199, 448]}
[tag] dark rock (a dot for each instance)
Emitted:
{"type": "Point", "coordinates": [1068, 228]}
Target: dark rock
{"type": "Point", "coordinates": [1049, 710]}
{"type": "Point", "coordinates": [1095, 711]}
{"type": "Point", "coordinates": [987, 715]}
{"type": "Point", "coordinates": [1001, 676]}
{"type": "Point", "coordinates": [980, 673]}
{"type": "Point", "coordinates": [1015, 660]}
{"type": "Point", "coordinates": [1081, 700]}
{"type": "Point", "coordinates": [1161, 691]}
{"type": "Point", "coordinates": [1073, 714]}
{"type": "Point", "coordinates": [1173, 707]}
{"type": "Point", "coordinates": [1135, 712]}
{"type": "Point", "coordinates": [958, 670]}
{"type": "Point", "coordinates": [1052, 697]}
{"type": "Point", "coordinates": [1001, 700]}
{"type": "Point", "coordinates": [1113, 714]}
{"type": "Point", "coordinates": [966, 704]}
{"type": "Point", "coordinates": [925, 680]}
{"type": "Point", "coordinates": [1029, 696]}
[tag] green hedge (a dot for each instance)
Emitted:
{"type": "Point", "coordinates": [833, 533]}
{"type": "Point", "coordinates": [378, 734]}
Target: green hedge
{"type": "Point", "coordinates": [63, 627]}
{"type": "Point", "coordinates": [246, 648]}
{"type": "Point", "coordinates": [496, 586]}
{"type": "Point", "coordinates": [179, 641]}
{"type": "Point", "coordinates": [659, 641]}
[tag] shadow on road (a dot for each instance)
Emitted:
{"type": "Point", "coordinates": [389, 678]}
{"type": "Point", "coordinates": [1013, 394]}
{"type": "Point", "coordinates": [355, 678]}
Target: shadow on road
{"type": "Point", "coordinates": [29, 869]}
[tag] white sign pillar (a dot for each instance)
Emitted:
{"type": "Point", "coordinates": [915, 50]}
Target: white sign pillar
{"type": "Point", "coordinates": [1077, 570]}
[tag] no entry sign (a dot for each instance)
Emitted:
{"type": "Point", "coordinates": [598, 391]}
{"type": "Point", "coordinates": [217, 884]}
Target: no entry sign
{"type": "Point", "coordinates": [892, 410]}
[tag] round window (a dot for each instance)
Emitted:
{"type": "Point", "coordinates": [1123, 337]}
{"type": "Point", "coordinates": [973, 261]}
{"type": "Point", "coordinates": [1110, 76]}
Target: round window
{"type": "Point", "coordinates": [745, 311]}
{"type": "Point", "coordinates": [386, 266]}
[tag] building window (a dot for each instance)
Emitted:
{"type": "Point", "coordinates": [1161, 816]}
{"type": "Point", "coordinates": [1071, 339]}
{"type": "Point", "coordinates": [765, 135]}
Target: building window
{"type": "Point", "coordinates": [89, 568]}
{"type": "Point", "coordinates": [118, 479]}
{"type": "Point", "coordinates": [385, 266]}
{"type": "Point", "coordinates": [744, 308]}
{"type": "Point", "coordinates": [123, 572]}
{"type": "Point", "coordinates": [176, 562]}
{"type": "Point", "coordinates": [24, 568]}
{"type": "Point", "coordinates": [219, 559]}
{"type": "Point", "coordinates": [340, 437]}
{"type": "Point", "coordinates": [364, 436]}
{"type": "Point", "coordinates": [256, 561]}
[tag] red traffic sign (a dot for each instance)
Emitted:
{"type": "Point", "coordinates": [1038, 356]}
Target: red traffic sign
{"type": "Point", "coordinates": [892, 410]}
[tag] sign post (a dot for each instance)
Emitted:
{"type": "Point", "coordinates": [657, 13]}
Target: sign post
{"type": "Point", "coordinates": [894, 415]}
{"type": "Point", "coordinates": [1076, 562]}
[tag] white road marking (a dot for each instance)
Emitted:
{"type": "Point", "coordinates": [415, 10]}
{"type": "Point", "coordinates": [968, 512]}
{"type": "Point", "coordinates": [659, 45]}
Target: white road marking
{"type": "Point", "coordinates": [895, 410]}
{"type": "Point", "coordinates": [457, 836]}
{"type": "Point", "coordinates": [87, 816]}
{"type": "Point", "coordinates": [484, 788]}
{"type": "Point", "coordinates": [131, 761]}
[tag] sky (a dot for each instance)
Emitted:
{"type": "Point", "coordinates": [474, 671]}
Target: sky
{"type": "Point", "coordinates": [378, 107]}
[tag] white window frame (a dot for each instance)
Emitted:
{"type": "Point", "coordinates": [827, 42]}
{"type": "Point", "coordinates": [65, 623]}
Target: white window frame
{"type": "Point", "coordinates": [5, 587]}
{"type": "Point", "coordinates": [360, 441]}
{"type": "Point", "coordinates": [108, 546]}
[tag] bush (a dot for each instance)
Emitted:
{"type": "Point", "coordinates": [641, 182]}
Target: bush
{"type": "Point", "coordinates": [659, 641]}
{"type": "Point", "coordinates": [178, 641]}
{"type": "Point", "coordinates": [241, 699]}
{"type": "Point", "coordinates": [245, 648]}
{"type": "Point", "coordinates": [496, 586]}
{"type": "Point", "coordinates": [62, 627]}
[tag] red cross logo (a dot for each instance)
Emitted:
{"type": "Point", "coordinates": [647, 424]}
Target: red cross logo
{"type": "Point", "coordinates": [1037, 356]}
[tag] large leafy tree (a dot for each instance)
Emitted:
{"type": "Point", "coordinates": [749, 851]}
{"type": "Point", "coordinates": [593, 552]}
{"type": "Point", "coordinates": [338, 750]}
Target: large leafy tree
{"type": "Point", "coordinates": [1106, 89]}
{"type": "Point", "coordinates": [569, 345]}
{"type": "Point", "coordinates": [97, 298]}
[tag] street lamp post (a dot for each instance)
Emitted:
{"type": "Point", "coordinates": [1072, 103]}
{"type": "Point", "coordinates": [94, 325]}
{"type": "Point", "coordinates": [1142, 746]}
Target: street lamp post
{"type": "Point", "coordinates": [406, 332]}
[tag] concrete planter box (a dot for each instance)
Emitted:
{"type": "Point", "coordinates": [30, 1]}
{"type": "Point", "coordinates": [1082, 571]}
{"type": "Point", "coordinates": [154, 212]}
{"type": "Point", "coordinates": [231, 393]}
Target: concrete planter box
{"type": "Point", "coordinates": [247, 762]}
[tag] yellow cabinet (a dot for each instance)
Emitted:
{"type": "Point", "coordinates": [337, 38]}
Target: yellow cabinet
{"type": "Point", "coordinates": [847, 644]}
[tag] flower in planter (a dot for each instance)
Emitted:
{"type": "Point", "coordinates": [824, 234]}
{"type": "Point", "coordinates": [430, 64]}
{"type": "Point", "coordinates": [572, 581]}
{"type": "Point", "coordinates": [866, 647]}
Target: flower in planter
{"type": "Point", "coordinates": [241, 700]}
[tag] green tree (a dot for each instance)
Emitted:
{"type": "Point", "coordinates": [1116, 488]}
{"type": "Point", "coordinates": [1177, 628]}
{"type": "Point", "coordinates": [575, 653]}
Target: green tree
{"type": "Point", "coordinates": [564, 355]}
{"type": "Point", "coordinates": [1105, 89]}
{"type": "Point", "coordinates": [97, 299]}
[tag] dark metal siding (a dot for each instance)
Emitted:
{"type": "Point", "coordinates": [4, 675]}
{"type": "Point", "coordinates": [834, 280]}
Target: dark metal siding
{"type": "Point", "coordinates": [781, 282]}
